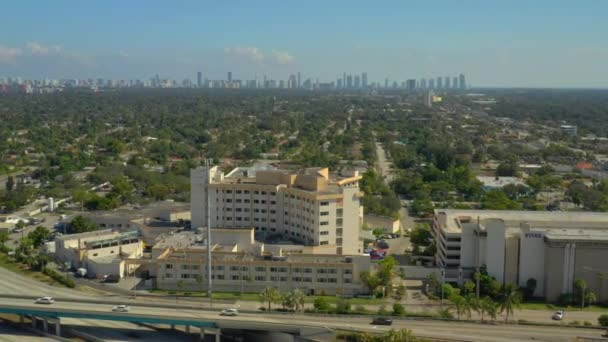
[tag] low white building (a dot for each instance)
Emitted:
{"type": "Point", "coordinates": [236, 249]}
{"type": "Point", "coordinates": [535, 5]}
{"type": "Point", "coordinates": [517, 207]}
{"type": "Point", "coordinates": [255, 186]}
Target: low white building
{"type": "Point", "coordinates": [101, 252]}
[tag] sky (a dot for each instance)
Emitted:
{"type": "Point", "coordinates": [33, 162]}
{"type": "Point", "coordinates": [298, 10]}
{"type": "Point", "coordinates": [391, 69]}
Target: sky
{"type": "Point", "coordinates": [515, 43]}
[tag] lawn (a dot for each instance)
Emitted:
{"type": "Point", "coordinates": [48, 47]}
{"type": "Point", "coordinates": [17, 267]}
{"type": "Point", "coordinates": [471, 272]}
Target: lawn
{"type": "Point", "coordinates": [255, 297]}
{"type": "Point", "coordinates": [5, 262]}
{"type": "Point", "coordinates": [549, 306]}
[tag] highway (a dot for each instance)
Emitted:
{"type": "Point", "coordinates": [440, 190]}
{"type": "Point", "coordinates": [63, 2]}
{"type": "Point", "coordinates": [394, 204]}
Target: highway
{"type": "Point", "coordinates": [430, 329]}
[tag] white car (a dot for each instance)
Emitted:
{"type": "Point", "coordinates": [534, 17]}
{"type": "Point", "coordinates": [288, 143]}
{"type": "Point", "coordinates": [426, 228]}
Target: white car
{"type": "Point", "coordinates": [229, 312]}
{"type": "Point", "coordinates": [558, 315]}
{"type": "Point", "coordinates": [121, 308]}
{"type": "Point", "coordinates": [45, 300]}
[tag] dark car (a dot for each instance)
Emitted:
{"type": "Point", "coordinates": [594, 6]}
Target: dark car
{"type": "Point", "coordinates": [382, 321]}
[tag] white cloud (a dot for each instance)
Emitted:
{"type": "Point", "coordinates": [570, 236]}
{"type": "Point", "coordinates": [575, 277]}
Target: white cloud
{"type": "Point", "coordinates": [282, 57]}
{"type": "Point", "coordinates": [39, 49]}
{"type": "Point", "coordinates": [248, 52]}
{"type": "Point", "coordinates": [9, 54]}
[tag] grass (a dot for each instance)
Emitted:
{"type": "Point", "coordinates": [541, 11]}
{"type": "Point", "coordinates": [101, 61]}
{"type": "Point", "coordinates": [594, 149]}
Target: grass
{"type": "Point", "coordinates": [10, 265]}
{"type": "Point", "coordinates": [534, 305]}
{"type": "Point", "coordinates": [248, 296]}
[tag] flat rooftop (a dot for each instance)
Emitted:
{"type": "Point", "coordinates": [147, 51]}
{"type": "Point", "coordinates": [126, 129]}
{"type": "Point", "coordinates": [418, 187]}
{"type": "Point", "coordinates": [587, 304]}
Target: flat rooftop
{"type": "Point", "coordinates": [451, 219]}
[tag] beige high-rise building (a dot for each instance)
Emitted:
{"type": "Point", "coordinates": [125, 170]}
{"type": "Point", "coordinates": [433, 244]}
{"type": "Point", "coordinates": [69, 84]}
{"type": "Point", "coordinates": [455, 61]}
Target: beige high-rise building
{"type": "Point", "coordinates": [307, 207]}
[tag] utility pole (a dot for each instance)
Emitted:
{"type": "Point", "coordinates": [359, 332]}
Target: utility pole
{"type": "Point", "coordinates": [442, 282]}
{"type": "Point", "coordinates": [477, 277]}
{"type": "Point", "coordinates": [207, 211]}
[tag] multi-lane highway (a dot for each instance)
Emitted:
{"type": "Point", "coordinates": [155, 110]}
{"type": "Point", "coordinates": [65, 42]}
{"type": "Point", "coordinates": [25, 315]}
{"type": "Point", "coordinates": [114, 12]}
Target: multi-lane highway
{"type": "Point", "coordinates": [436, 329]}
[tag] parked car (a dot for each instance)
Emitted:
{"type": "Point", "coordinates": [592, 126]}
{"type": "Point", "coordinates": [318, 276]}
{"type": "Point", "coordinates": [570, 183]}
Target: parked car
{"type": "Point", "coordinates": [121, 308]}
{"type": "Point", "coordinates": [558, 315]}
{"type": "Point", "coordinates": [229, 312]}
{"type": "Point", "coordinates": [45, 300]}
{"type": "Point", "coordinates": [382, 321]}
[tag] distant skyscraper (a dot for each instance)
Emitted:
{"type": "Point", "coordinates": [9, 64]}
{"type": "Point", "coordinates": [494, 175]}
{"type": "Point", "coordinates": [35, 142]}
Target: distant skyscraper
{"type": "Point", "coordinates": [431, 83]}
{"type": "Point", "coordinates": [423, 83]}
{"type": "Point", "coordinates": [447, 82]}
{"type": "Point", "coordinates": [339, 83]}
{"type": "Point", "coordinates": [299, 80]}
{"type": "Point", "coordinates": [344, 80]}
{"type": "Point", "coordinates": [455, 82]}
{"type": "Point", "coordinates": [428, 98]}
{"type": "Point", "coordinates": [229, 76]}
{"type": "Point", "coordinates": [357, 81]}
{"type": "Point", "coordinates": [199, 79]}
{"type": "Point", "coordinates": [364, 80]}
{"type": "Point", "coordinates": [386, 82]}
{"type": "Point", "coordinates": [462, 84]}
{"type": "Point", "coordinates": [349, 81]}
{"type": "Point", "coordinates": [292, 83]}
{"type": "Point", "coordinates": [411, 84]}
{"type": "Point", "coordinates": [439, 83]}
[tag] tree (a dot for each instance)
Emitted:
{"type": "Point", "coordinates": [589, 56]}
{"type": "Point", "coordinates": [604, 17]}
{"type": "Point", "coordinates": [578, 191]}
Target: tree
{"type": "Point", "coordinates": [321, 304]}
{"type": "Point", "coordinates": [509, 299]}
{"type": "Point", "coordinates": [474, 304]}
{"type": "Point", "coordinates": [603, 320]}
{"type": "Point", "coordinates": [398, 309]}
{"type": "Point", "coordinates": [157, 191]}
{"type": "Point", "coordinates": [581, 287]}
{"type": "Point", "coordinates": [10, 184]}
{"type": "Point", "coordinates": [343, 306]}
{"type": "Point", "coordinates": [468, 287]}
{"type": "Point", "coordinates": [299, 299]}
{"type": "Point", "coordinates": [269, 295]}
{"type": "Point", "coordinates": [530, 288]}
{"type": "Point", "coordinates": [496, 199]}
{"type": "Point", "coordinates": [39, 235]}
{"type": "Point", "coordinates": [490, 307]}
{"type": "Point", "coordinates": [4, 237]}
{"type": "Point", "coordinates": [386, 271]}
{"type": "Point", "coordinates": [461, 305]}
{"type": "Point", "coordinates": [510, 169]}
{"type": "Point", "coordinates": [371, 281]}
{"type": "Point", "coordinates": [81, 224]}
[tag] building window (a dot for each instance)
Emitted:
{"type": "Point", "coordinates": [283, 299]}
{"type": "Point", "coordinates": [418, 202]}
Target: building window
{"type": "Point", "coordinates": [308, 270]}
{"type": "Point", "coordinates": [307, 280]}
{"type": "Point", "coordinates": [273, 202]}
{"type": "Point", "coordinates": [284, 278]}
{"type": "Point", "coordinates": [238, 200]}
{"type": "Point", "coordinates": [325, 232]}
{"type": "Point", "coordinates": [263, 192]}
{"type": "Point", "coordinates": [246, 192]}
{"type": "Point", "coordinates": [260, 278]}
{"type": "Point", "coordinates": [324, 203]}
{"type": "Point", "coordinates": [169, 266]}
{"type": "Point", "coordinates": [256, 192]}
{"type": "Point", "coordinates": [228, 200]}
{"type": "Point", "coordinates": [185, 276]}
{"type": "Point", "coordinates": [238, 191]}
{"type": "Point", "coordinates": [168, 275]}
{"type": "Point", "coordinates": [238, 210]}
{"type": "Point", "coordinates": [245, 201]}
{"type": "Point", "coordinates": [260, 269]}
{"type": "Point", "coordinates": [273, 193]}
{"type": "Point", "coordinates": [348, 271]}
{"type": "Point", "coordinates": [256, 201]}
{"type": "Point", "coordinates": [235, 277]}
{"type": "Point", "coordinates": [234, 268]}
{"type": "Point", "coordinates": [228, 191]}
{"type": "Point", "coordinates": [324, 243]}
{"type": "Point", "coordinates": [220, 276]}
{"type": "Point", "coordinates": [324, 223]}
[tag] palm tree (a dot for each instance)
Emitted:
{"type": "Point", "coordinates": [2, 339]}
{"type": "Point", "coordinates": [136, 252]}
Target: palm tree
{"type": "Point", "coordinates": [510, 298]}
{"type": "Point", "coordinates": [461, 305]}
{"type": "Point", "coordinates": [487, 305]}
{"type": "Point", "coordinates": [269, 295]}
{"type": "Point", "coordinates": [474, 304]}
{"type": "Point", "coordinates": [299, 298]}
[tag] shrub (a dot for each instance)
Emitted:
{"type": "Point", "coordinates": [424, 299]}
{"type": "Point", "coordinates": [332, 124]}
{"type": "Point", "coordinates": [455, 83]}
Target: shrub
{"type": "Point", "coordinates": [398, 309]}
{"type": "Point", "coordinates": [58, 277]}
{"type": "Point", "coordinates": [360, 309]}
{"type": "Point", "coordinates": [603, 320]}
{"type": "Point", "coordinates": [587, 323]}
{"type": "Point", "coordinates": [321, 305]}
{"type": "Point", "coordinates": [574, 323]}
{"type": "Point", "coordinates": [382, 311]}
{"type": "Point", "coordinates": [343, 306]}
{"type": "Point", "coordinates": [445, 313]}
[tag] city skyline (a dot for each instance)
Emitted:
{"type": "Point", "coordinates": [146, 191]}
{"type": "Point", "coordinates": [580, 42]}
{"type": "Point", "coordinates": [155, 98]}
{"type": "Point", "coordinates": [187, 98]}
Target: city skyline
{"type": "Point", "coordinates": [397, 40]}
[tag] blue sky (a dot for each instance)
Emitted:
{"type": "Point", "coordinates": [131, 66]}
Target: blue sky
{"type": "Point", "coordinates": [494, 42]}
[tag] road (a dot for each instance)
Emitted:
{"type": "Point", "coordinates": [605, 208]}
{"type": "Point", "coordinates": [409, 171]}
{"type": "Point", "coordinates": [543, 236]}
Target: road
{"type": "Point", "coordinates": [384, 165]}
{"type": "Point", "coordinates": [10, 334]}
{"type": "Point", "coordinates": [429, 329]}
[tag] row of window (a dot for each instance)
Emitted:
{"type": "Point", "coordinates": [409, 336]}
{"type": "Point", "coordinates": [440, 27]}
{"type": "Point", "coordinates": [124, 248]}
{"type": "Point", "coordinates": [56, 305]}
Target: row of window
{"type": "Point", "coordinates": [261, 278]}
{"type": "Point", "coordinates": [246, 192]}
{"type": "Point", "coordinates": [273, 269]}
